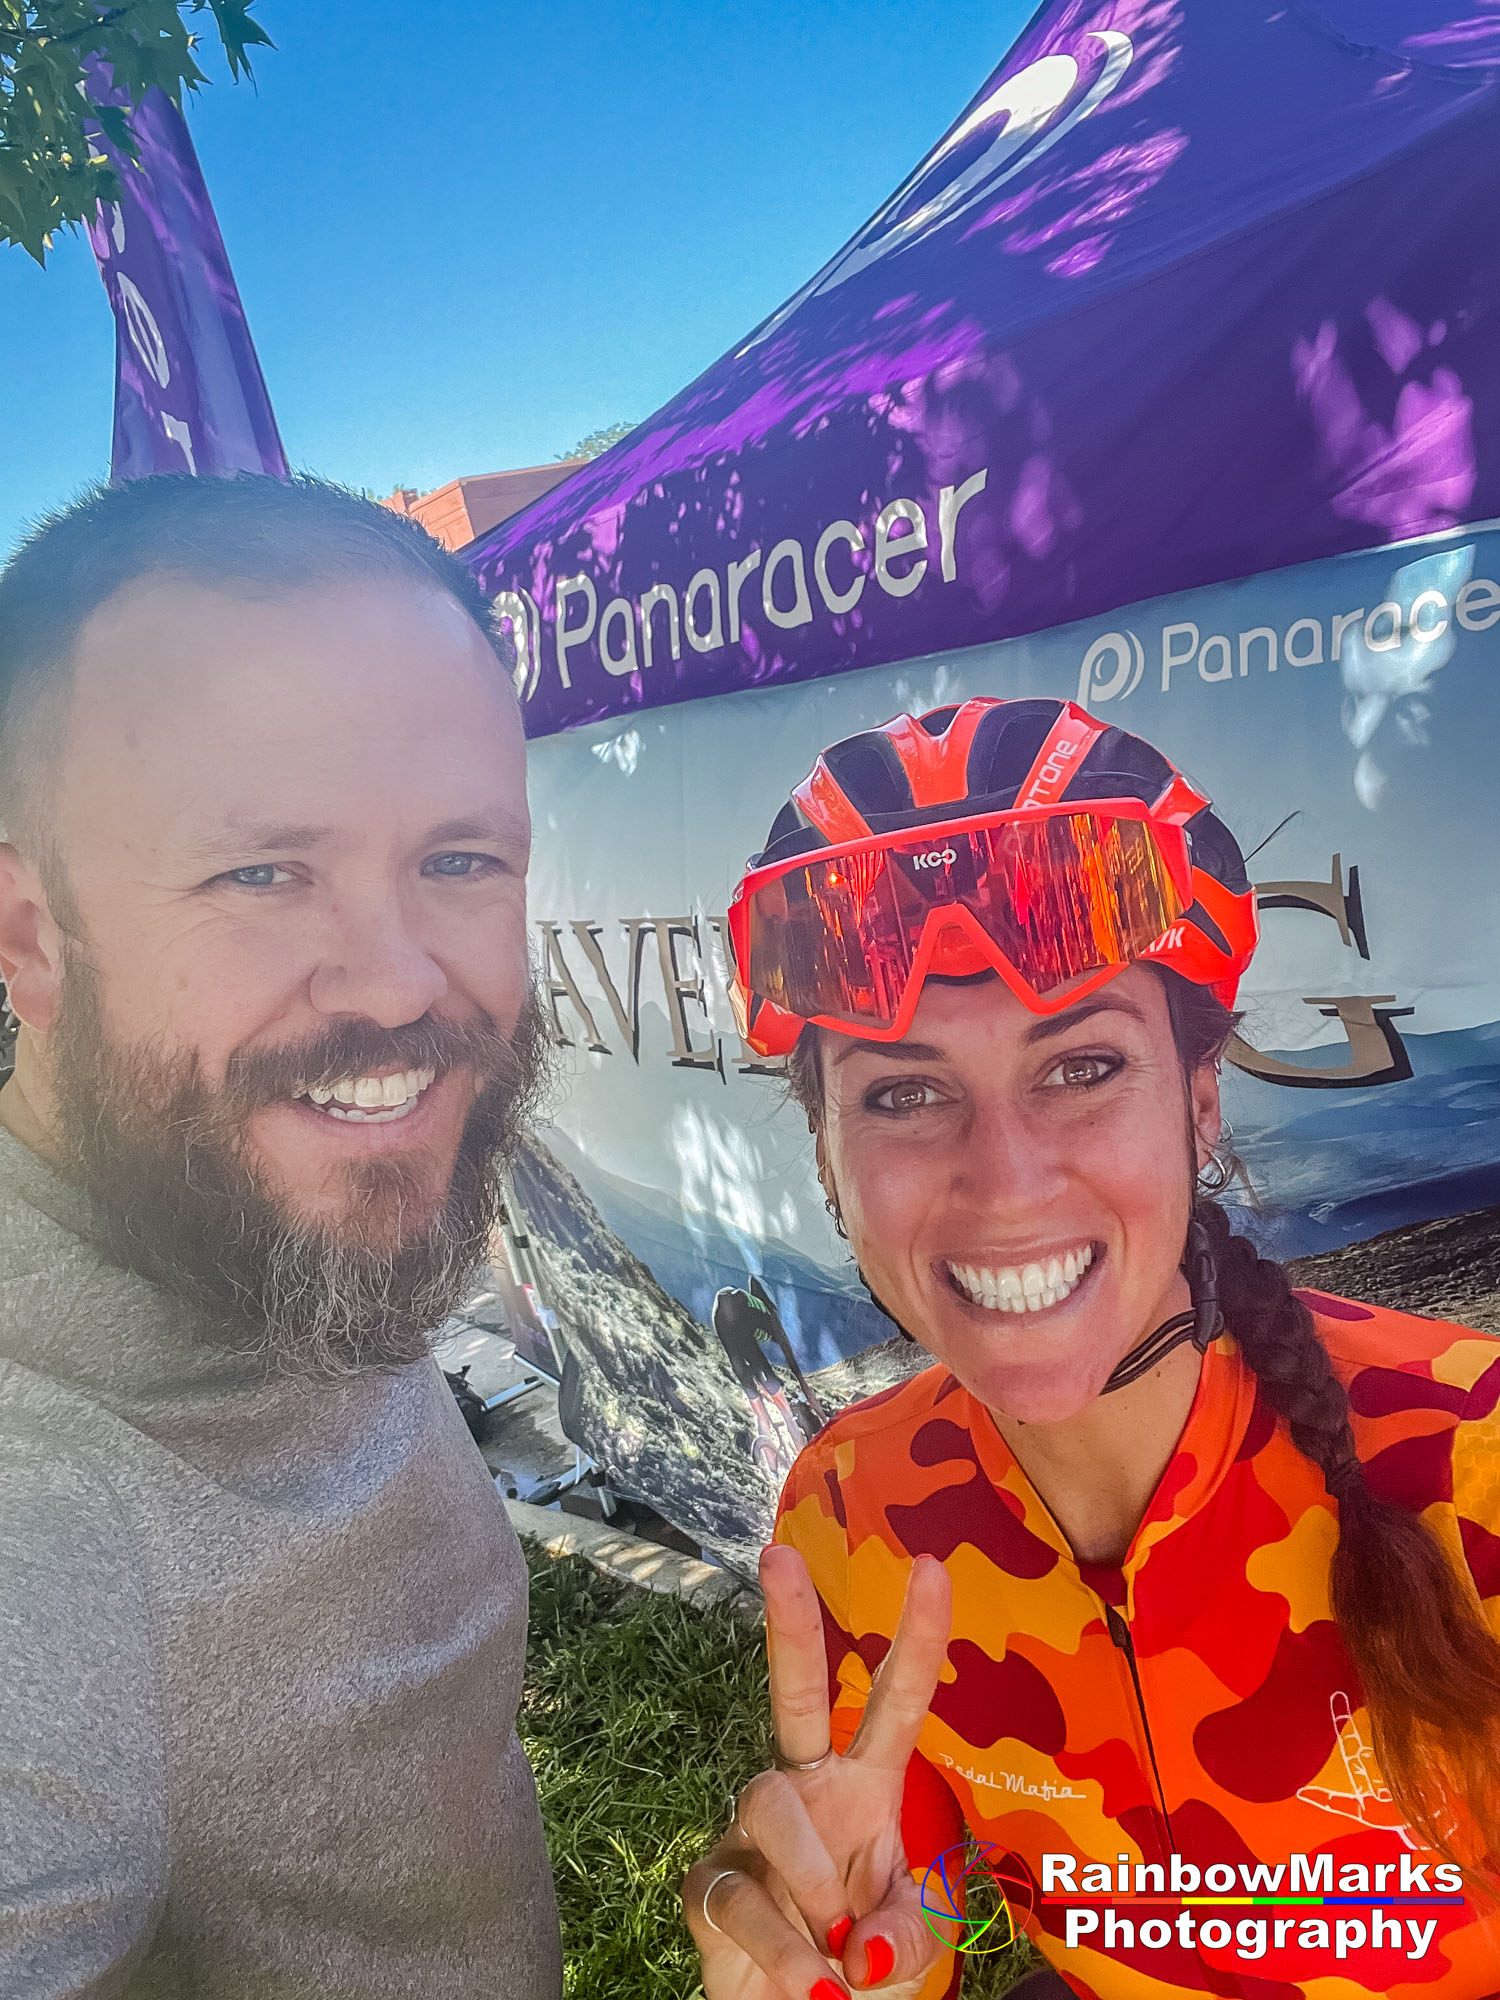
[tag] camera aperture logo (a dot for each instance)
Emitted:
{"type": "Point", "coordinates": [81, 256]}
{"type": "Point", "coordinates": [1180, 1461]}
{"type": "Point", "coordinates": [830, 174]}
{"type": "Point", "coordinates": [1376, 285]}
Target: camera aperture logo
{"type": "Point", "coordinates": [978, 1888]}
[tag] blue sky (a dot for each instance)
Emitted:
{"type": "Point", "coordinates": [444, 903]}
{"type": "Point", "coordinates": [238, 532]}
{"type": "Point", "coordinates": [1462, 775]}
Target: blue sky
{"type": "Point", "coordinates": [464, 243]}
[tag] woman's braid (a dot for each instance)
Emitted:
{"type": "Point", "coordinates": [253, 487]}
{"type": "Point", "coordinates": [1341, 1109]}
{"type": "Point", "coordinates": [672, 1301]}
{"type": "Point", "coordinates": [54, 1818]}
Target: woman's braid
{"type": "Point", "coordinates": [1276, 1335]}
{"type": "Point", "coordinates": [1428, 1666]}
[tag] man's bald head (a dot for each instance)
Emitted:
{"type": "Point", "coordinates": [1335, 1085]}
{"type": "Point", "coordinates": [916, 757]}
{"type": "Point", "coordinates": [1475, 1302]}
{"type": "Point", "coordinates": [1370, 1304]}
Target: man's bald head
{"type": "Point", "coordinates": [245, 535]}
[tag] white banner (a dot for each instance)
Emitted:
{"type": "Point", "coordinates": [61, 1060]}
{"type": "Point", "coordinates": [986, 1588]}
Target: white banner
{"type": "Point", "coordinates": [1344, 717]}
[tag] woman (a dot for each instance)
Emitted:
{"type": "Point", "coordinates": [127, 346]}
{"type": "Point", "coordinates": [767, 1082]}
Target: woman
{"type": "Point", "coordinates": [1223, 1560]}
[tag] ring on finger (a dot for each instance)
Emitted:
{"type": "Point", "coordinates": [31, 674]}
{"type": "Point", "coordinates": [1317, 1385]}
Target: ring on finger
{"type": "Point", "coordinates": [785, 1763]}
{"type": "Point", "coordinates": [722, 1876]}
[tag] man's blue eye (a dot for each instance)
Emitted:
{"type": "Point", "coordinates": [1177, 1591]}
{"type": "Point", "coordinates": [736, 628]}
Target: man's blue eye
{"type": "Point", "coordinates": [261, 875]}
{"type": "Point", "coordinates": [457, 866]}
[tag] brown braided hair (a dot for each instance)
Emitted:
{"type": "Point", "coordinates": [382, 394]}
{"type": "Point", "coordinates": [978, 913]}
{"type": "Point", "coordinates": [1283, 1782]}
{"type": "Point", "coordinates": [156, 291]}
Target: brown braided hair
{"type": "Point", "coordinates": [1428, 1664]}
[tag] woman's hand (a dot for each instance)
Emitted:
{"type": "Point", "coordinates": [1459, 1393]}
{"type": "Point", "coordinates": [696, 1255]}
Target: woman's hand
{"type": "Point", "coordinates": [812, 1868]}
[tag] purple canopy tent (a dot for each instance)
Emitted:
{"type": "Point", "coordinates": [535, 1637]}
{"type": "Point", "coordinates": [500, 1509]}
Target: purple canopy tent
{"type": "Point", "coordinates": [1193, 289]}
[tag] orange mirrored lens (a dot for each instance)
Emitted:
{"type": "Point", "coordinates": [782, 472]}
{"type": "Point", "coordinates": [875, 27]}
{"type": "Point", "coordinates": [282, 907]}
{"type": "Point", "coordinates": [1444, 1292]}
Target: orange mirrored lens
{"type": "Point", "coordinates": [1060, 896]}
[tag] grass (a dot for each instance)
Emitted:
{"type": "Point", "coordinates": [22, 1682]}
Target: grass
{"type": "Point", "coordinates": [642, 1718]}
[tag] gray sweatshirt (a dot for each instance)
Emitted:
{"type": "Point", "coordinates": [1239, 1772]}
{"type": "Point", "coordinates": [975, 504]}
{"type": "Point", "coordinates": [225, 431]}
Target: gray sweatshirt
{"type": "Point", "coordinates": [261, 1648]}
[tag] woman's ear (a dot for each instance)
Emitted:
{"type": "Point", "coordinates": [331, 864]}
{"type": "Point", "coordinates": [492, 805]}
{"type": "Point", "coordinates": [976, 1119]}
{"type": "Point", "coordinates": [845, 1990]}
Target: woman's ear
{"type": "Point", "coordinates": [825, 1176]}
{"type": "Point", "coordinates": [826, 1181]}
{"type": "Point", "coordinates": [1207, 1113]}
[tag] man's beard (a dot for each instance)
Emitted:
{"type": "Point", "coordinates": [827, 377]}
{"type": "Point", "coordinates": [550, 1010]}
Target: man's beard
{"type": "Point", "coordinates": [162, 1158]}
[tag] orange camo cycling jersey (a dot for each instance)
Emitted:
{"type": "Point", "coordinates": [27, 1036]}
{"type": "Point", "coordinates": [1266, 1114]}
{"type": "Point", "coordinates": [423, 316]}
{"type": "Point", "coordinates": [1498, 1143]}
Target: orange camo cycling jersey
{"type": "Point", "coordinates": [1198, 1701]}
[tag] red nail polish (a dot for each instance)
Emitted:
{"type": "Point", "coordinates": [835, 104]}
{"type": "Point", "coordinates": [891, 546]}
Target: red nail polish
{"type": "Point", "coordinates": [838, 1935]}
{"type": "Point", "coordinates": [827, 1990]}
{"type": "Point", "coordinates": [879, 1959]}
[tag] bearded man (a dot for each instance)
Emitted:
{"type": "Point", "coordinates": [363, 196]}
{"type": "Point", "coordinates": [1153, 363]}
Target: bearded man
{"type": "Point", "coordinates": [263, 924]}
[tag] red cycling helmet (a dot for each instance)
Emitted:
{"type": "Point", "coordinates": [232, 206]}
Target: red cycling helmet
{"type": "Point", "coordinates": [1025, 838]}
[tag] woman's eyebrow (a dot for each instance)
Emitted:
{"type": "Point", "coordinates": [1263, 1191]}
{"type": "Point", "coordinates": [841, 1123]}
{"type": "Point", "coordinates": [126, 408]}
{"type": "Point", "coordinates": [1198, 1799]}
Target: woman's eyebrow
{"type": "Point", "coordinates": [1060, 1024]}
{"type": "Point", "coordinates": [1044, 1030]}
{"type": "Point", "coordinates": [893, 1051]}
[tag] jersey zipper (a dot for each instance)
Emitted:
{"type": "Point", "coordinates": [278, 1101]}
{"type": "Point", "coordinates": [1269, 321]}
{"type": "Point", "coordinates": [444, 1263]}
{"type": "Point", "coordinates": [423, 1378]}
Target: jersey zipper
{"type": "Point", "coordinates": [1119, 1631]}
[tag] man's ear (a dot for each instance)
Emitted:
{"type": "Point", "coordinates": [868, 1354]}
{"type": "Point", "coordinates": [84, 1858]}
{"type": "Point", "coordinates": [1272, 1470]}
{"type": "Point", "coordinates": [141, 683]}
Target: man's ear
{"type": "Point", "coordinates": [30, 943]}
{"type": "Point", "coordinates": [1207, 1114]}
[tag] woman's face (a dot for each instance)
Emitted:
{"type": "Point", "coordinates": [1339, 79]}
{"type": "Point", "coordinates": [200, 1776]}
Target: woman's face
{"type": "Point", "coordinates": [1016, 1187]}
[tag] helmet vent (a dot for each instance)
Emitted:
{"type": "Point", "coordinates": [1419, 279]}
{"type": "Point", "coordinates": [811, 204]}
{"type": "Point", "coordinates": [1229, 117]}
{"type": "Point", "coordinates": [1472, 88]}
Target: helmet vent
{"type": "Point", "coordinates": [870, 774]}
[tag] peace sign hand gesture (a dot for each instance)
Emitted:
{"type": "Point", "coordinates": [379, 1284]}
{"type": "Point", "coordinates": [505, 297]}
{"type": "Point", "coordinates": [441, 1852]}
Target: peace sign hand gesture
{"type": "Point", "coordinates": [812, 1869]}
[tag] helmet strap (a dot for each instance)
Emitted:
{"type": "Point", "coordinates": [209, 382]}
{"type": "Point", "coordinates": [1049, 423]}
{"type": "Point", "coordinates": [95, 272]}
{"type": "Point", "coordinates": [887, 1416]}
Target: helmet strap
{"type": "Point", "coordinates": [1202, 1324]}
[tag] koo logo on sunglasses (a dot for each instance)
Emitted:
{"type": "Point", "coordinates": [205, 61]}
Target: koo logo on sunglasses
{"type": "Point", "coordinates": [936, 859]}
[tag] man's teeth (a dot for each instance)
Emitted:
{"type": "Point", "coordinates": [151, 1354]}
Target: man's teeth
{"type": "Point", "coordinates": [371, 1099]}
{"type": "Point", "coordinates": [1023, 1288]}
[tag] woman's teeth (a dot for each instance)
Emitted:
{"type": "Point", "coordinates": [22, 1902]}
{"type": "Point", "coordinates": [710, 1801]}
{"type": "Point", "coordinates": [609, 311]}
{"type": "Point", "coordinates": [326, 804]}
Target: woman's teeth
{"type": "Point", "coordinates": [370, 1100]}
{"type": "Point", "coordinates": [1023, 1288]}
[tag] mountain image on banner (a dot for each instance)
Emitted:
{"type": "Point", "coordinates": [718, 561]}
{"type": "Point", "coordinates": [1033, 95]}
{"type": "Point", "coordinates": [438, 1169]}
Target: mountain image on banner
{"type": "Point", "coordinates": [656, 1405]}
{"type": "Point", "coordinates": [692, 1260]}
{"type": "Point", "coordinates": [189, 393]}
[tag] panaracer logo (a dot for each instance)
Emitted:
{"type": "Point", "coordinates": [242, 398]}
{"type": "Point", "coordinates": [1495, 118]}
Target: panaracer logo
{"type": "Point", "coordinates": [906, 545]}
{"type": "Point", "coordinates": [941, 857]}
{"type": "Point", "coordinates": [1396, 645]}
{"type": "Point", "coordinates": [1023, 117]}
{"type": "Point", "coordinates": [1112, 668]}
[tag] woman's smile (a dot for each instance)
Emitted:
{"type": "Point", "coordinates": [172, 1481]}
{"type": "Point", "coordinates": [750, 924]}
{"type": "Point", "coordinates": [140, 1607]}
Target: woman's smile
{"type": "Point", "coordinates": [1031, 1285]}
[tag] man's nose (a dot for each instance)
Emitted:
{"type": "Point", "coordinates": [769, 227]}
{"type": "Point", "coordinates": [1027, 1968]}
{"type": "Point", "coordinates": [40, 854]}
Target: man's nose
{"type": "Point", "coordinates": [374, 965]}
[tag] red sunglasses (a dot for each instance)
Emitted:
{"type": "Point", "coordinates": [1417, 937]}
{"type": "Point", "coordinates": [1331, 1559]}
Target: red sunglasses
{"type": "Point", "coordinates": [1056, 899]}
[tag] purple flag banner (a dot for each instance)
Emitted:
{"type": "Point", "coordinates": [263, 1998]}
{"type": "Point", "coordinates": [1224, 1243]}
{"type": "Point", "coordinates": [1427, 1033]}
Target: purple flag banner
{"type": "Point", "coordinates": [1193, 290]}
{"type": "Point", "coordinates": [189, 394]}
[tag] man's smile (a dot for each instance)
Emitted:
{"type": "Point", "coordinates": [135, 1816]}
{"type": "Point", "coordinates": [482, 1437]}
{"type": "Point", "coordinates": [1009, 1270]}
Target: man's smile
{"type": "Point", "coordinates": [376, 1111]}
{"type": "Point", "coordinates": [379, 1098]}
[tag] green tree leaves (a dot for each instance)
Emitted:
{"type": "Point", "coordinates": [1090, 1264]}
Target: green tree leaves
{"type": "Point", "coordinates": [51, 175]}
{"type": "Point", "coordinates": [595, 442]}
{"type": "Point", "coordinates": [238, 33]}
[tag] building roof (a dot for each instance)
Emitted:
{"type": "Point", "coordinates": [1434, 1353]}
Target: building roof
{"type": "Point", "coordinates": [454, 514]}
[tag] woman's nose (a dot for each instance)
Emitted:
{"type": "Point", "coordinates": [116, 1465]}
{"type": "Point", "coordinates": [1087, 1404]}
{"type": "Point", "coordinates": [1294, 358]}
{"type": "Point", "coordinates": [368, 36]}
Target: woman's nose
{"type": "Point", "coordinates": [1003, 1163]}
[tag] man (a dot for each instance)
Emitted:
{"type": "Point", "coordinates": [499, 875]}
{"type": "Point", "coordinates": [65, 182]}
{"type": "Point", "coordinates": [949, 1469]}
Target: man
{"type": "Point", "coordinates": [262, 921]}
